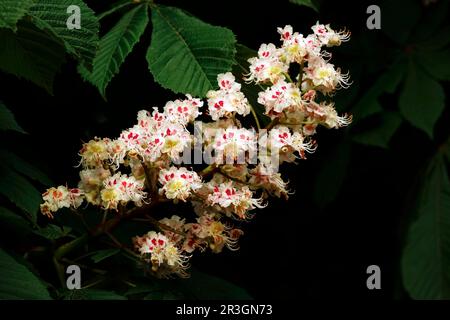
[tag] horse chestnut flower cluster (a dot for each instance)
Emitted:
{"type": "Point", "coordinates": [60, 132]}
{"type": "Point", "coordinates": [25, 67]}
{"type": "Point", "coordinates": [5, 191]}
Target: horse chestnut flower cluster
{"type": "Point", "coordinates": [146, 164]}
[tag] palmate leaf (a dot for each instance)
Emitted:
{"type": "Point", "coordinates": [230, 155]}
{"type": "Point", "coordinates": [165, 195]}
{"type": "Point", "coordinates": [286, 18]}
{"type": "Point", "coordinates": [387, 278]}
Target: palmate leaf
{"type": "Point", "coordinates": [426, 257]}
{"type": "Point", "coordinates": [17, 282]}
{"type": "Point", "coordinates": [52, 15]}
{"type": "Point", "coordinates": [104, 254]}
{"type": "Point", "coordinates": [31, 53]}
{"type": "Point", "coordinates": [186, 54]}
{"type": "Point", "coordinates": [19, 191]}
{"type": "Point", "coordinates": [23, 167]}
{"type": "Point", "coordinates": [115, 46]}
{"type": "Point", "coordinates": [422, 100]}
{"type": "Point", "coordinates": [12, 11]}
{"type": "Point", "coordinates": [380, 136]}
{"type": "Point", "coordinates": [307, 3]}
{"type": "Point", "coordinates": [7, 120]}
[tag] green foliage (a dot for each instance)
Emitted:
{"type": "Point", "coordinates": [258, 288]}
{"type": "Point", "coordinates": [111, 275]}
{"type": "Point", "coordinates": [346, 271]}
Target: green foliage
{"type": "Point", "coordinates": [436, 63]}
{"type": "Point", "coordinates": [203, 286]}
{"type": "Point", "coordinates": [387, 124]}
{"type": "Point", "coordinates": [104, 254]}
{"type": "Point", "coordinates": [52, 232]}
{"type": "Point", "coordinates": [422, 100]}
{"type": "Point", "coordinates": [51, 15]}
{"type": "Point", "coordinates": [330, 178]}
{"type": "Point", "coordinates": [17, 282]}
{"type": "Point", "coordinates": [13, 222]}
{"type": "Point", "coordinates": [31, 54]}
{"type": "Point", "coordinates": [11, 11]}
{"type": "Point", "coordinates": [92, 294]}
{"type": "Point", "coordinates": [23, 167]}
{"type": "Point", "coordinates": [20, 191]}
{"type": "Point", "coordinates": [308, 3]}
{"type": "Point", "coordinates": [8, 122]}
{"type": "Point", "coordinates": [186, 54]}
{"type": "Point", "coordinates": [426, 256]}
{"type": "Point", "coordinates": [115, 46]}
{"type": "Point", "coordinates": [395, 28]}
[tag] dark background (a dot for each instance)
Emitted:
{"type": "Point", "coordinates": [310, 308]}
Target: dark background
{"type": "Point", "coordinates": [293, 249]}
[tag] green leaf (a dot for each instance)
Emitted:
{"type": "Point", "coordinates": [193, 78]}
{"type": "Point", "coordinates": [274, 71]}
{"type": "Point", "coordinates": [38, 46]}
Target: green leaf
{"type": "Point", "coordinates": [17, 282]}
{"type": "Point", "coordinates": [12, 11]}
{"type": "Point", "coordinates": [422, 100]}
{"type": "Point", "coordinates": [207, 287]}
{"type": "Point", "coordinates": [332, 174]}
{"type": "Point", "coordinates": [380, 136]}
{"type": "Point", "coordinates": [425, 260]}
{"type": "Point", "coordinates": [396, 28]}
{"type": "Point", "coordinates": [94, 294]}
{"type": "Point", "coordinates": [25, 168]}
{"type": "Point", "coordinates": [19, 191]}
{"type": "Point", "coordinates": [104, 254]}
{"type": "Point", "coordinates": [31, 54]}
{"type": "Point", "coordinates": [308, 3]}
{"type": "Point", "coordinates": [91, 294]}
{"type": "Point", "coordinates": [51, 15]}
{"type": "Point", "coordinates": [53, 232]}
{"type": "Point", "coordinates": [186, 54]}
{"type": "Point", "coordinates": [12, 221]}
{"type": "Point", "coordinates": [386, 83]}
{"type": "Point", "coordinates": [7, 121]}
{"type": "Point", "coordinates": [115, 46]}
{"type": "Point", "coordinates": [436, 63]}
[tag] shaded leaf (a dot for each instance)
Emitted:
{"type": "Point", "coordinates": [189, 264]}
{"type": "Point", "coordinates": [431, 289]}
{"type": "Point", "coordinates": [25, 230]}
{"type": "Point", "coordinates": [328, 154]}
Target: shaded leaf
{"type": "Point", "coordinates": [380, 136]}
{"type": "Point", "coordinates": [436, 63]}
{"type": "Point", "coordinates": [91, 294]}
{"type": "Point", "coordinates": [115, 46]}
{"type": "Point", "coordinates": [422, 100]}
{"type": "Point", "coordinates": [186, 54]}
{"type": "Point", "coordinates": [17, 282]}
{"type": "Point", "coordinates": [25, 168]}
{"type": "Point", "coordinates": [52, 15]}
{"type": "Point", "coordinates": [308, 3]}
{"type": "Point", "coordinates": [425, 260]}
{"type": "Point", "coordinates": [386, 83]}
{"type": "Point", "coordinates": [331, 176]}
{"type": "Point", "coordinates": [12, 221]}
{"type": "Point", "coordinates": [53, 232]}
{"type": "Point", "coordinates": [31, 54]}
{"type": "Point", "coordinates": [12, 11]}
{"type": "Point", "coordinates": [104, 254]}
{"type": "Point", "coordinates": [19, 191]}
{"type": "Point", "coordinates": [396, 28]}
{"type": "Point", "coordinates": [7, 121]}
{"type": "Point", "coordinates": [207, 287]}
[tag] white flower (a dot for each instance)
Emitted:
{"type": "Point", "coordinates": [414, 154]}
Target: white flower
{"type": "Point", "coordinates": [325, 77]}
{"type": "Point", "coordinates": [280, 97]}
{"type": "Point", "coordinates": [233, 144]}
{"type": "Point", "coordinates": [228, 100]}
{"type": "Point", "coordinates": [267, 67]}
{"type": "Point", "coordinates": [94, 152]}
{"type": "Point", "coordinates": [183, 111]}
{"type": "Point", "coordinates": [283, 141]}
{"type": "Point", "coordinates": [122, 189]}
{"type": "Point", "coordinates": [238, 200]}
{"type": "Point", "coordinates": [178, 183]}
{"type": "Point", "coordinates": [162, 251]}
{"type": "Point", "coordinates": [264, 177]}
{"type": "Point", "coordinates": [60, 197]}
{"type": "Point", "coordinates": [328, 36]}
